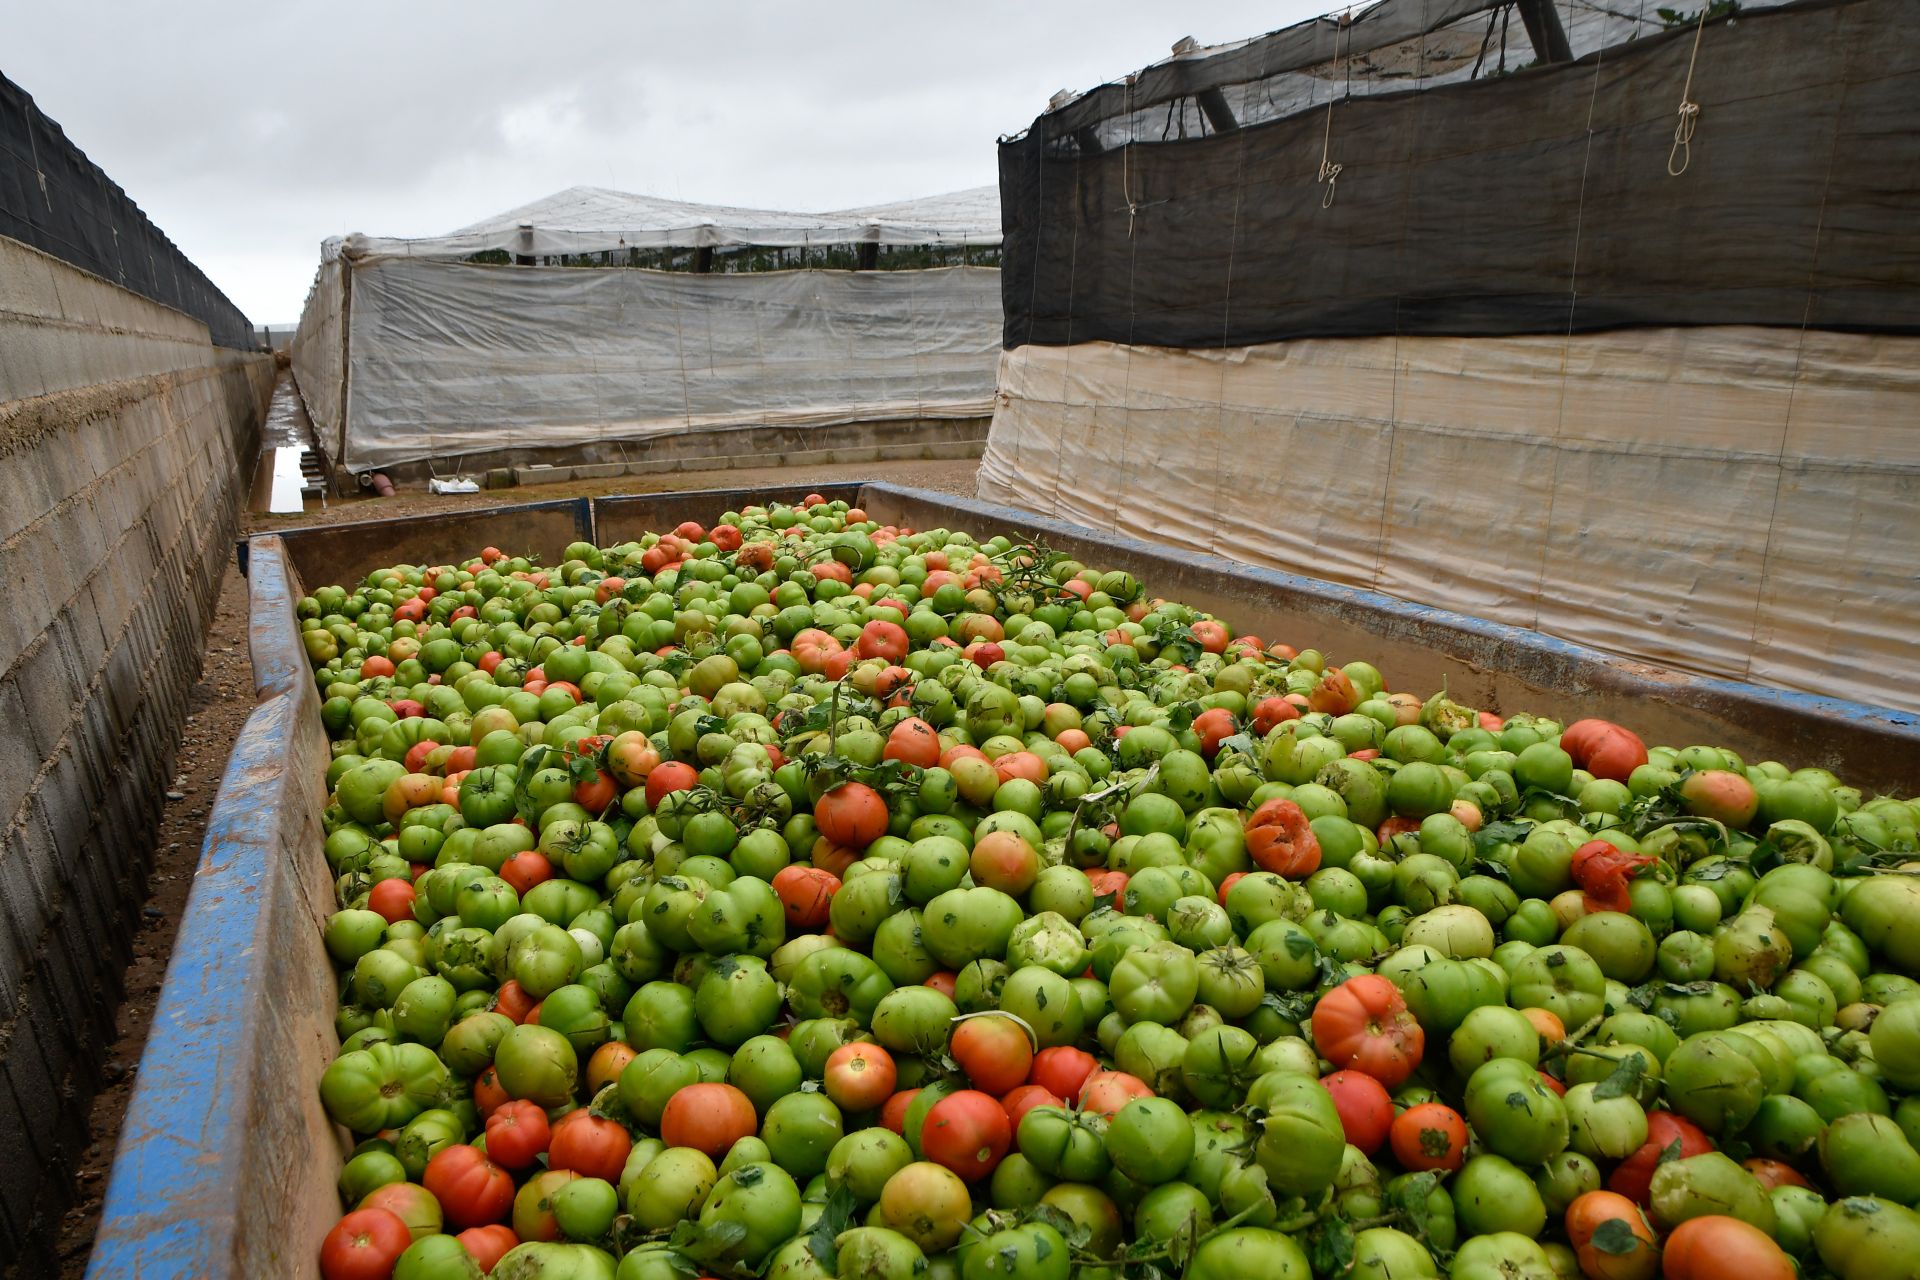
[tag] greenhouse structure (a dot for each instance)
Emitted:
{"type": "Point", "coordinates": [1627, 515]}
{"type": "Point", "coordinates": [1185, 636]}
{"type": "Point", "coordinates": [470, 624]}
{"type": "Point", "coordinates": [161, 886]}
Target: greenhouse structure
{"type": "Point", "coordinates": [580, 326]}
{"type": "Point", "coordinates": [1594, 319]}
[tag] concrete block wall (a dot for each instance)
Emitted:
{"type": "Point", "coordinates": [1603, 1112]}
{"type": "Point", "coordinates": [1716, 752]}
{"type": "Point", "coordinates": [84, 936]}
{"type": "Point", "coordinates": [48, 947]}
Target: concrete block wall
{"type": "Point", "coordinates": [125, 441]}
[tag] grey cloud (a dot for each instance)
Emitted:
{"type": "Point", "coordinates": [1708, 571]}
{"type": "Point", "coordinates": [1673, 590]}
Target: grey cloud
{"type": "Point", "coordinates": [251, 133]}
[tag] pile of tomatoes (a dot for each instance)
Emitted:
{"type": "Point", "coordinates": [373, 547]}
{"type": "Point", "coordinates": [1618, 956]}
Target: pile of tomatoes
{"type": "Point", "coordinates": [806, 897]}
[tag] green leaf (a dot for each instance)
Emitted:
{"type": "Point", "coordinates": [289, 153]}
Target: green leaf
{"type": "Point", "coordinates": [1670, 1152]}
{"type": "Point", "coordinates": [1499, 832]}
{"type": "Point", "coordinates": [835, 1217]}
{"type": "Point", "coordinates": [1237, 744]}
{"type": "Point", "coordinates": [1330, 1247]}
{"type": "Point", "coordinates": [1616, 1236]}
{"type": "Point", "coordinates": [1624, 1080]}
{"type": "Point", "coordinates": [1076, 1234]}
{"type": "Point", "coordinates": [715, 1240]}
{"type": "Point", "coordinates": [1412, 1196]}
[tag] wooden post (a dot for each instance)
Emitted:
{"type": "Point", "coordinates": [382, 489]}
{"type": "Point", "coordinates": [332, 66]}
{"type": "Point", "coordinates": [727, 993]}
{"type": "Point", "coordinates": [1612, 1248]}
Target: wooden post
{"type": "Point", "coordinates": [1544, 31]}
{"type": "Point", "coordinates": [868, 258]}
{"type": "Point", "coordinates": [1213, 105]}
{"type": "Point", "coordinates": [703, 259]}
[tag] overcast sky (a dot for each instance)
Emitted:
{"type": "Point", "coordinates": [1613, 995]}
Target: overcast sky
{"type": "Point", "coordinates": [249, 133]}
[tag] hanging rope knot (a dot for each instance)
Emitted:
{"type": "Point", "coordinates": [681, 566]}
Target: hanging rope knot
{"type": "Point", "coordinates": [1329, 168]}
{"type": "Point", "coordinates": [1329, 174]}
{"type": "Point", "coordinates": [1681, 154]}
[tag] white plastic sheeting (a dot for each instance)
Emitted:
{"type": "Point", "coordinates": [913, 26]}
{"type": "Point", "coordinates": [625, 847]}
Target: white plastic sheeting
{"type": "Point", "coordinates": [596, 219]}
{"type": "Point", "coordinates": [1742, 502]}
{"type": "Point", "coordinates": [319, 353]}
{"type": "Point", "coordinates": [448, 359]}
{"type": "Point", "coordinates": [408, 354]}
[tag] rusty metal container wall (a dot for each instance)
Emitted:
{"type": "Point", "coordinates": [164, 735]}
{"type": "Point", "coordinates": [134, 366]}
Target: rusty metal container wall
{"type": "Point", "coordinates": [345, 553]}
{"type": "Point", "coordinates": [227, 1163]}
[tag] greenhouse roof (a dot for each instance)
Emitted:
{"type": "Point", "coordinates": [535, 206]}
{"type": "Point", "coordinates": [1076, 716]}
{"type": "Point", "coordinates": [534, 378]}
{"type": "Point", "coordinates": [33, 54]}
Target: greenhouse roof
{"type": "Point", "coordinates": [598, 219]}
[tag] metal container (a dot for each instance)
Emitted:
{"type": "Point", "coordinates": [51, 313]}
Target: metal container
{"type": "Point", "coordinates": [227, 1162]}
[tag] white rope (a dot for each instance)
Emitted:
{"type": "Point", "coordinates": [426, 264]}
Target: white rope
{"type": "Point", "coordinates": [1126, 157]}
{"type": "Point", "coordinates": [1329, 170]}
{"type": "Point", "coordinates": [1682, 153]}
{"type": "Point", "coordinates": [1329, 173]}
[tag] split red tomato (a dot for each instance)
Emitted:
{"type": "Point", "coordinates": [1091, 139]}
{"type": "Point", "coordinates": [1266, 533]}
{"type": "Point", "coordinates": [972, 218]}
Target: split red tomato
{"type": "Point", "coordinates": [1364, 1024]}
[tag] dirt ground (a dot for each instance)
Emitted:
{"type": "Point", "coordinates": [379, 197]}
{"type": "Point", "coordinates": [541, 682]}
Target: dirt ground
{"type": "Point", "coordinates": [220, 704]}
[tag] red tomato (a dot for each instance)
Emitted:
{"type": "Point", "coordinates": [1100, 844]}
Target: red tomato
{"type": "Point", "coordinates": [852, 814]}
{"type": "Point", "coordinates": [1604, 749]}
{"type": "Point", "coordinates": [1021, 764]}
{"type": "Point", "coordinates": [487, 1093]}
{"type": "Point", "coordinates": [1364, 1024]}
{"type": "Point", "coordinates": [1106, 1092]}
{"type": "Point", "coordinates": [806, 895]}
{"type": "Point", "coordinates": [859, 1076]}
{"type": "Point", "coordinates": [416, 757]}
{"type": "Point", "coordinates": [1616, 1258]}
{"type": "Point", "coordinates": [708, 1118]}
{"type": "Point", "coordinates": [968, 1132]}
{"type": "Point", "coordinates": [590, 1145]}
{"type": "Point", "coordinates": [472, 1190]}
{"type": "Point", "coordinates": [512, 1000]}
{"type": "Point", "coordinates": [882, 639]}
{"type": "Point", "coordinates": [1214, 726]}
{"type": "Point", "coordinates": [1334, 694]}
{"type": "Point", "coordinates": [517, 1132]}
{"type": "Point", "coordinates": [1633, 1177]}
{"type": "Point", "coordinates": [914, 741]}
{"type": "Point", "coordinates": [960, 751]}
{"type": "Point", "coordinates": [488, 1244]}
{"type": "Point", "coordinates": [1773, 1173]}
{"type": "Point", "coordinates": [1716, 1247]}
{"type": "Point", "coordinates": [1063, 1069]}
{"type": "Point", "coordinates": [1366, 1109]}
{"type": "Point", "coordinates": [1270, 712]}
{"type": "Point", "coordinates": [1024, 1099]}
{"type": "Point", "coordinates": [1280, 840]}
{"type": "Point", "coordinates": [364, 1245]}
{"type": "Point", "coordinates": [1212, 635]}
{"type": "Point", "coordinates": [994, 1052]}
{"type": "Point", "coordinates": [1430, 1135]}
{"type": "Point", "coordinates": [525, 870]}
{"type": "Point", "coordinates": [392, 899]}
{"type": "Point", "coordinates": [597, 793]}
{"type": "Point", "coordinates": [606, 1064]}
{"type": "Point", "coordinates": [667, 777]}
{"type": "Point", "coordinates": [893, 1115]}
{"type": "Point", "coordinates": [1004, 860]}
